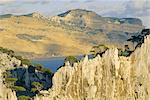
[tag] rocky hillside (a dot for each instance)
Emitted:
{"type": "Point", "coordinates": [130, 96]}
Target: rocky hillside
{"type": "Point", "coordinates": [19, 81]}
{"type": "Point", "coordinates": [110, 77]}
{"type": "Point", "coordinates": [7, 63]}
{"type": "Point", "coordinates": [90, 20]}
{"type": "Point", "coordinates": [35, 35]}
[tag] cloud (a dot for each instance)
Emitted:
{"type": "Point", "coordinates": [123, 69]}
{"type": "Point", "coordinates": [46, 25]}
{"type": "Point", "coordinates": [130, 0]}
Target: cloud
{"type": "Point", "coordinates": [137, 7]}
{"type": "Point", "coordinates": [131, 8]}
{"type": "Point", "coordinates": [5, 1]}
{"type": "Point", "coordinates": [140, 9]}
{"type": "Point", "coordinates": [114, 8]}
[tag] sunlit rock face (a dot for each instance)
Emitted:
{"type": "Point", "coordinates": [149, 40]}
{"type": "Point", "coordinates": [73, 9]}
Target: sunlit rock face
{"type": "Point", "coordinates": [104, 78]}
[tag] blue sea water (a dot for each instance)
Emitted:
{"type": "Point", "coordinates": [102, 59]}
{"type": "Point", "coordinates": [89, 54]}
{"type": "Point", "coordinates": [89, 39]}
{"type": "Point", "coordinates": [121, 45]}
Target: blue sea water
{"type": "Point", "coordinates": [54, 63]}
{"type": "Point", "coordinates": [51, 63]}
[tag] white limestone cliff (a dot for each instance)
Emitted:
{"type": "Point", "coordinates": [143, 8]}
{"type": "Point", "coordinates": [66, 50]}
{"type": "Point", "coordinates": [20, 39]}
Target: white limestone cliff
{"type": "Point", "coordinates": [110, 77]}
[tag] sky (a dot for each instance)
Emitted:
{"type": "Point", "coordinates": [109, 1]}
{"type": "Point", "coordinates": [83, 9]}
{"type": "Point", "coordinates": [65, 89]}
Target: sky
{"type": "Point", "coordinates": [109, 8]}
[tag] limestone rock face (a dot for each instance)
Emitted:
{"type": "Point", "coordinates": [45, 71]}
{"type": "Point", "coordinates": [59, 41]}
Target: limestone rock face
{"type": "Point", "coordinates": [104, 78]}
{"type": "Point", "coordinates": [6, 63]}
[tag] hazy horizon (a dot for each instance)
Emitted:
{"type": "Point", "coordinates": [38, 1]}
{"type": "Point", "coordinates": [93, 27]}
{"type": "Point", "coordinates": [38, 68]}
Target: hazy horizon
{"type": "Point", "coordinates": [109, 8]}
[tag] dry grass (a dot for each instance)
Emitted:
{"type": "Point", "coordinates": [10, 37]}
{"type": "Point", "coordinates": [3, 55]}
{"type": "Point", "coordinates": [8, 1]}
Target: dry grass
{"type": "Point", "coordinates": [69, 44]}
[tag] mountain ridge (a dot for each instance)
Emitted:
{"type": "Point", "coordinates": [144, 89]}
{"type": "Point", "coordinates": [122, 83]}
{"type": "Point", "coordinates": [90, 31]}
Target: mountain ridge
{"type": "Point", "coordinates": [64, 35]}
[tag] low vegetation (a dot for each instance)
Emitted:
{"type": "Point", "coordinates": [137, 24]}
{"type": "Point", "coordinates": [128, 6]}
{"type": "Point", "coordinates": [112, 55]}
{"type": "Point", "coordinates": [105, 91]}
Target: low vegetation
{"type": "Point", "coordinates": [24, 98]}
{"type": "Point", "coordinates": [41, 68]}
{"type": "Point", "coordinates": [37, 86]}
{"type": "Point", "coordinates": [7, 51]}
{"type": "Point", "coordinates": [139, 39]}
{"type": "Point", "coordinates": [18, 88]}
{"type": "Point", "coordinates": [126, 52]}
{"type": "Point", "coordinates": [18, 82]}
{"type": "Point", "coordinates": [136, 40]}
{"type": "Point", "coordinates": [12, 54]}
{"type": "Point", "coordinates": [99, 50]}
{"type": "Point", "coordinates": [71, 59]}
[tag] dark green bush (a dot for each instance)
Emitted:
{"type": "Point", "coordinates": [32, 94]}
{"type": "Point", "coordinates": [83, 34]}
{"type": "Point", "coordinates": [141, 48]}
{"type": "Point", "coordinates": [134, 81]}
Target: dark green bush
{"type": "Point", "coordinates": [18, 88]}
{"type": "Point", "coordinates": [99, 50]}
{"type": "Point", "coordinates": [18, 57]}
{"type": "Point", "coordinates": [10, 79]}
{"type": "Point", "coordinates": [34, 90]}
{"type": "Point", "coordinates": [126, 52]}
{"type": "Point", "coordinates": [31, 69]}
{"type": "Point", "coordinates": [23, 98]}
{"type": "Point", "coordinates": [5, 50]}
{"type": "Point", "coordinates": [71, 59]}
{"type": "Point", "coordinates": [47, 71]}
{"type": "Point", "coordinates": [39, 67]}
{"type": "Point", "coordinates": [26, 62]}
{"type": "Point", "coordinates": [9, 82]}
{"type": "Point", "coordinates": [37, 85]}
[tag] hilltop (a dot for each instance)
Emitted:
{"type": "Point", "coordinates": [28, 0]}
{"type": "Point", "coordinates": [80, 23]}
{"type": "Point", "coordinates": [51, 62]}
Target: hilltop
{"type": "Point", "coordinates": [71, 33]}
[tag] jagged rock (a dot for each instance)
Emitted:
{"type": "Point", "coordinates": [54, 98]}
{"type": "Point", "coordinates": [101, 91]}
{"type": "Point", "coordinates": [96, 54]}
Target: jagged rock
{"type": "Point", "coordinates": [6, 63]}
{"type": "Point", "coordinates": [110, 77]}
{"type": "Point", "coordinates": [19, 72]}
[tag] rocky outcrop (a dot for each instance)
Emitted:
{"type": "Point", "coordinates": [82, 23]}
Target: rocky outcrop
{"type": "Point", "coordinates": [25, 75]}
{"type": "Point", "coordinates": [6, 63]}
{"type": "Point", "coordinates": [110, 77]}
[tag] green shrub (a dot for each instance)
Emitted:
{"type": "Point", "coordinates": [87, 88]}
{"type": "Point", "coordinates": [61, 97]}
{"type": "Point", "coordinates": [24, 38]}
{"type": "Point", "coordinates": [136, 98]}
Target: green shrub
{"type": "Point", "coordinates": [100, 49]}
{"type": "Point", "coordinates": [23, 98]}
{"type": "Point", "coordinates": [126, 53]}
{"type": "Point", "coordinates": [4, 50]}
{"type": "Point", "coordinates": [31, 69]}
{"type": "Point", "coordinates": [39, 67]}
{"type": "Point", "coordinates": [37, 85]}
{"type": "Point", "coordinates": [26, 62]}
{"type": "Point", "coordinates": [11, 79]}
{"type": "Point", "coordinates": [34, 90]}
{"type": "Point", "coordinates": [18, 57]}
{"type": "Point", "coordinates": [46, 71]}
{"type": "Point", "coordinates": [18, 88]}
{"type": "Point", "coordinates": [9, 82]}
{"type": "Point", "coordinates": [71, 59]}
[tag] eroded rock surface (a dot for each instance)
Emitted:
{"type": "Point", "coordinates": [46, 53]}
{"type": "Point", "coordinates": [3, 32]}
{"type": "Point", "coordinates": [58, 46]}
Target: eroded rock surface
{"type": "Point", "coordinates": [24, 75]}
{"type": "Point", "coordinates": [6, 63]}
{"type": "Point", "coordinates": [104, 78]}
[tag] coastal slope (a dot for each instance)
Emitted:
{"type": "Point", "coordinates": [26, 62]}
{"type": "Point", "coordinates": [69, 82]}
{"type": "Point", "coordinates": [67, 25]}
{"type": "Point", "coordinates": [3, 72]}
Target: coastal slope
{"type": "Point", "coordinates": [110, 77]}
{"type": "Point", "coordinates": [35, 35]}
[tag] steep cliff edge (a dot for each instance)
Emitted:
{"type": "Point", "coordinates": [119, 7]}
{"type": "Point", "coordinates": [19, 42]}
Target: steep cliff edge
{"type": "Point", "coordinates": [7, 63]}
{"type": "Point", "coordinates": [110, 77]}
{"type": "Point", "coordinates": [19, 81]}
